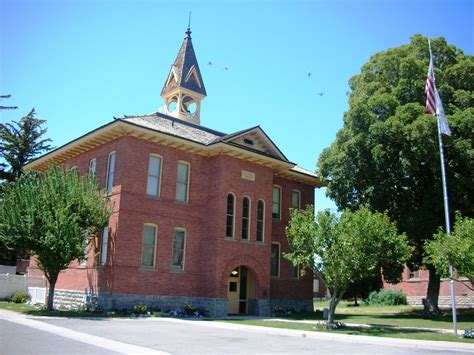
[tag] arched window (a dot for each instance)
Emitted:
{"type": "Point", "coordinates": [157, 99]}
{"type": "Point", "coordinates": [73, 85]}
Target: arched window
{"type": "Point", "coordinates": [229, 230]}
{"type": "Point", "coordinates": [260, 220]}
{"type": "Point", "coordinates": [245, 218]}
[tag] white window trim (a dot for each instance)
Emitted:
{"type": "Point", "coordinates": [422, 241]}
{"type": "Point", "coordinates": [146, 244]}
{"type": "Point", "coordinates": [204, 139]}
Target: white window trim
{"type": "Point", "coordinates": [187, 182]}
{"type": "Point", "coordinates": [279, 260]}
{"type": "Point", "coordinates": [263, 222]}
{"type": "Point", "coordinates": [159, 177]}
{"type": "Point", "coordinates": [143, 244]}
{"type": "Point", "coordinates": [233, 216]}
{"type": "Point", "coordinates": [104, 243]}
{"type": "Point", "coordinates": [299, 198]}
{"type": "Point", "coordinates": [279, 204]}
{"type": "Point", "coordinates": [249, 218]}
{"type": "Point", "coordinates": [184, 249]}
{"type": "Point", "coordinates": [108, 171]}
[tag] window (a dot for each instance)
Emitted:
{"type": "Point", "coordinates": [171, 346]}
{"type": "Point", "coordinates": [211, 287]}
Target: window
{"type": "Point", "coordinates": [245, 218]}
{"type": "Point", "coordinates": [85, 243]}
{"type": "Point", "coordinates": [229, 230]}
{"type": "Point", "coordinates": [182, 182]}
{"type": "Point", "coordinates": [75, 170]}
{"type": "Point", "coordinates": [149, 244]}
{"type": "Point", "coordinates": [276, 202]}
{"type": "Point", "coordinates": [110, 171]}
{"type": "Point", "coordinates": [92, 166]}
{"type": "Point", "coordinates": [413, 274]}
{"type": "Point", "coordinates": [154, 174]}
{"type": "Point", "coordinates": [103, 246]}
{"type": "Point", "coordinates": [179, 240]}
{"type": "Point", "coordinates": [295, 199]}
{"type": "Point", "coordinates": [275, 263]}
{"type": "Point", "coordinates": [260, 220]}
{"type": "Point", "coordinates": [294, 271]}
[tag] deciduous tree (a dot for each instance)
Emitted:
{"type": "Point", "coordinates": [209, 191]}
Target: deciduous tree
{"type": "Point", "coordinates": [346, 249]}
{"type": "Point", "coordinates": [456, 249]}
{"type": "Point", "coordinates": [50, 215]}
{"type": "Point", "coordinates": [386, 156]}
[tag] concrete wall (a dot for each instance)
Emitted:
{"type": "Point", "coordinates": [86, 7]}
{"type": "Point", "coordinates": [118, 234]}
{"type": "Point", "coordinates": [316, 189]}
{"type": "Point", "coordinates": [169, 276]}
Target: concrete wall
{"type": "Point", "coordinates": [9, 284]}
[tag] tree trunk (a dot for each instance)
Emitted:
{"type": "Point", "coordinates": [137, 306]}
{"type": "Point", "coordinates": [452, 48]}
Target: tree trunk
{"type": "Point", "coordinates": [430, 303]}
{"type": "Point", "coordinates": [52, 285]}
{"type": "Point", "coordinates": [332, 310]}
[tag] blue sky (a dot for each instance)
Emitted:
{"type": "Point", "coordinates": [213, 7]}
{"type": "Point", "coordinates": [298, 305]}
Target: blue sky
{"type": "Point", "coordinates": [79, 63]}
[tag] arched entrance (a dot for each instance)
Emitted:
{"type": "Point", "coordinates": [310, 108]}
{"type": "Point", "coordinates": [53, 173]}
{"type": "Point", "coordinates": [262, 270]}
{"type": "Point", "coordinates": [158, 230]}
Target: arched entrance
{"type": "Point", "coordinates": [240, 290]}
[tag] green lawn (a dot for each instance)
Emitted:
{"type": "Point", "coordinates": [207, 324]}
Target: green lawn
{"type": "Point", "coordinates": [39, 311]}
{"type": "Point", "coordinates": [380, 332]}
{"type": "Point", "coordinates": [395, 316]}
{"type": "Point", "coordinates": [385, 318]}
{"type": "Point", "coordinates": [18, 307]}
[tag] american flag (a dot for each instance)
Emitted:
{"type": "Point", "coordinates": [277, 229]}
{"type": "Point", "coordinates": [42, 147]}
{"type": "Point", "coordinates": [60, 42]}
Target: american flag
{"type": "Point", "coordinates": [430, 89]}
{"type": "Point", "coordinates": [434, 106]}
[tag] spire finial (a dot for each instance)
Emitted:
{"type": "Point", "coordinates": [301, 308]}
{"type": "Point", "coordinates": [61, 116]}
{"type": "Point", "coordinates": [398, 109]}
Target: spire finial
{"type": "Point", "coordinates": [188, 32]}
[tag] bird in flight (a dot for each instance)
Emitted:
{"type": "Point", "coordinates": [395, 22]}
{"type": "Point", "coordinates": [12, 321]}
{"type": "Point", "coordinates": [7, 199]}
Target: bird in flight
{"type": "Point", "coordinates": [320, 93]}
{"type": "Point", "coordinates": [226, 69]}
{"type": "Point", "coordinates": [209, 63]}
{"type": "Point", "coordinates": [309, 74]}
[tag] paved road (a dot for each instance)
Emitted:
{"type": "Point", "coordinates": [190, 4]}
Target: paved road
{"type": "Point", "coordinates": [191, 337]}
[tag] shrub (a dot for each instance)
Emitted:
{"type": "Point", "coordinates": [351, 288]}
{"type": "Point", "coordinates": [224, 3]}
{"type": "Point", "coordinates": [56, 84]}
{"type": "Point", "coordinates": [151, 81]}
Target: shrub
{"type": "Point", "coordinates": [189, 309]}
{"type": "Point", "coordinates": [386, 298]}
{"type": "Point", "coordinates": [468, 333]}
{"type": "Point", "coordinates": [20, 297]}
{"type": "Point", "coordinates": [139, 309]}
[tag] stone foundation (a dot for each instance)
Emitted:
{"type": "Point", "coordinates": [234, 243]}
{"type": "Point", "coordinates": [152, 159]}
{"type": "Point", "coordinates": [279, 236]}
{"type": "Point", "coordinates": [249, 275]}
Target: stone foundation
{"type": "Point", "coordinates": [217, 307]}
{"type": "Point", "coordinates": [69, 299]}
{"type": "Point", "coordinates": [444, 301]}
{"type": "Point", "coordinates": [298, 305]}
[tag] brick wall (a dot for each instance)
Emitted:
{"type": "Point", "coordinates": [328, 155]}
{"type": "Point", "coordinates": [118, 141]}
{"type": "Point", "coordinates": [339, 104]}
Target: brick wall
{"type": "Point", "coordinates": [209, 255]}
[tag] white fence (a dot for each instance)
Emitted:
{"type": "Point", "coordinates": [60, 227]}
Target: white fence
{"type": "Point", "coordinates": [35, 286]}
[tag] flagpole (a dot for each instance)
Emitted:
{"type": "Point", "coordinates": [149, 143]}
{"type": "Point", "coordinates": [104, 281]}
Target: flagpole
{"type": "Point", "coordinates": [448, 225]}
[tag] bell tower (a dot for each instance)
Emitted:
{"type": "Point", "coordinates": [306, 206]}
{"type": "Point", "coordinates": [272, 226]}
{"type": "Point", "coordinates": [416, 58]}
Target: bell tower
{"type": "Point", "coordinates": [184, 89]}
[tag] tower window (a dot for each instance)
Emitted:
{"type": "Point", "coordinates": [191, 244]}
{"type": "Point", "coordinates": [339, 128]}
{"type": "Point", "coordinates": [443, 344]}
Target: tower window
{"type": "Point", "coordinates": [172, 104]}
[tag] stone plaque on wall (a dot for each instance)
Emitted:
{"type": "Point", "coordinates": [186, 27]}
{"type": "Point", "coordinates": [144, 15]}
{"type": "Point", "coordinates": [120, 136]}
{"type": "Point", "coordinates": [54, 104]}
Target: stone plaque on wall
{"type": "Point", "coordinates": [247, 175]}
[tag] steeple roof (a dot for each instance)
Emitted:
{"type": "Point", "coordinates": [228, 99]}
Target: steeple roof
{"type": "Point", "coordinates": [185, 71]}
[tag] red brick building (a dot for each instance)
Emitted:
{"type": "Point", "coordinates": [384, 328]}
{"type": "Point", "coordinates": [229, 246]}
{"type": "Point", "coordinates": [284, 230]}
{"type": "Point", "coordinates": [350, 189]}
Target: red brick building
{"type": "Point", "coordinates": [199, 215]}
{"type": "Point", "coordinates": [414, 284]}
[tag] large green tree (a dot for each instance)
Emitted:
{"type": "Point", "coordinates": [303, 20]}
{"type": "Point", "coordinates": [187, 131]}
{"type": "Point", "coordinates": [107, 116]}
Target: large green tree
{"type": "Point", "coordinates": [456, 249]}
{"type": "Point", "coordinates": [52, 215]}
{"type": "Point", "coordinates": [386, 156]}
{"type": "Point", "coordinates": [345, 249]}
{"type": "Point", "coordinates": [20, 142]}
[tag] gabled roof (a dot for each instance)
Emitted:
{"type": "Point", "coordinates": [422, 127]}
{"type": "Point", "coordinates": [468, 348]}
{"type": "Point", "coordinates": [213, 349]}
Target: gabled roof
{"type": "Point", "coordinates": [251, 144]}
{"type": "Point", "coordinates": [185, 71]}
{"type": "Point", "coordinates": [255, 139]}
